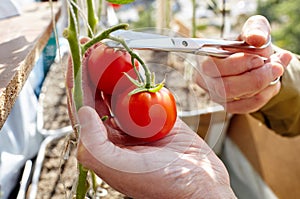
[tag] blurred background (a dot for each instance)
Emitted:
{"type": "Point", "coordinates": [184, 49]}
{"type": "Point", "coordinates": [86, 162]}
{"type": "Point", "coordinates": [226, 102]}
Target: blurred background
{"type": "Point", "coordinates": [214, 18]}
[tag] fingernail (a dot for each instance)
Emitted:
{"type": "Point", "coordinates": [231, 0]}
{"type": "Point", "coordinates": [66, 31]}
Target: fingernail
{"type": "Point", "coordinates": [256, 32]}
{"type": "Point", "coordinates": [285, 58]}
{"type": "Point", "coordinates": [91, 125]}
{"type": "Point", "coordinates": [256, 37]}
{"type": "Point", "coordinates": [83, 115]}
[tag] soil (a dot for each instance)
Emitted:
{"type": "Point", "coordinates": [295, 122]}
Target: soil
{"type": "Point", "coordinates": [58, 175]}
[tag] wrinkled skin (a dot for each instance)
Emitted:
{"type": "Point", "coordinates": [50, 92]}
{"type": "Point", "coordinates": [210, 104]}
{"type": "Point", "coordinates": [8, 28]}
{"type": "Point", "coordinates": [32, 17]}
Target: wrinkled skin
{"type": "Point", "coordinates": [245, 76]}
{"type": "Point", "coordinates": [145, 170]}
{"type": "Point", "coordinates": [181, 165]}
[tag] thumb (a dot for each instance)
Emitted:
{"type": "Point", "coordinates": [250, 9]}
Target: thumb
{"type": "Point", "coordinates": [93, 136]}
{"type": "Point", "coordinates": [96, 152]}
{"type": "Point", "coordinates": [256, 31]}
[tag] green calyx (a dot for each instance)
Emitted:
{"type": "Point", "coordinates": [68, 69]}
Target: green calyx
{"type": "Point", "coordinates": [141, 86]}
{"type": "Point", "coordinates": [147, 85]}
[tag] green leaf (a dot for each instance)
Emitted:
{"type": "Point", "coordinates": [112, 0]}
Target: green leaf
{"type": "Point", "coordinates": [120, 1]}
{"type": "Point", "coordinates": [135, 82]}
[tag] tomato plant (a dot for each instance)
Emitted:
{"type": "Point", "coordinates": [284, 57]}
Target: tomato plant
{"type": "Point", "coordinates": [142, 108]}
{"type": "Point", "coordinates": [148, 116]}
{"type": "Point", "coordinates": [106, 67]}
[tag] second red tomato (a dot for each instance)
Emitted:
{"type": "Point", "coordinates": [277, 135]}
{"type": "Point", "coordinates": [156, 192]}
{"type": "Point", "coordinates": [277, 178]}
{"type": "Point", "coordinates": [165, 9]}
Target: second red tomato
{"type": "Point", "coordinates": [106, 67]}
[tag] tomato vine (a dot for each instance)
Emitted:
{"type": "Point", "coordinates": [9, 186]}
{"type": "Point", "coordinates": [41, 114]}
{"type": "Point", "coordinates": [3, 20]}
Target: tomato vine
{"type": "Point", "coordinates": [71, 33]}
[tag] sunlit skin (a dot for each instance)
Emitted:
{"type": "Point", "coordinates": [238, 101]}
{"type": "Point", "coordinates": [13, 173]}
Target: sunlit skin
{"type": "Point", "coordinates": [181, 165]}
{"type": "Point", "coordinates": [245, 75]}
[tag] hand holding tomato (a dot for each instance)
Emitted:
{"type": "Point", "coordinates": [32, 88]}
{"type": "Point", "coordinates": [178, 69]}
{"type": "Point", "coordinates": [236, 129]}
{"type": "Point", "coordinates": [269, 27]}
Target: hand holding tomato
{"type": "Point", "coordinates": [148, 114]}
{"type": "Point", "coordinates": [180, 165]}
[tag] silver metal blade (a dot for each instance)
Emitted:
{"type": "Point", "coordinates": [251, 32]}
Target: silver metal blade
{"type": "Point", "coordinates": [142, 40]}
{"type": "Point", "coordinates": [129, 34]}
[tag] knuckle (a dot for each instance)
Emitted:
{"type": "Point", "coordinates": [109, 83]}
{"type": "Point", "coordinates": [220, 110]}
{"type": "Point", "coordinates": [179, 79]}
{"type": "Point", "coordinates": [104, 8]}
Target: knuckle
{"type": "Point", "coordinates": [259, 81]}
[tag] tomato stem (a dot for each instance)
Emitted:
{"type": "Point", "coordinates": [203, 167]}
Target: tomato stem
{"type": "Point", "coordinates": [71, 34]}
{"type": "Point", "coordinates": [83, 184]}
{"type": "Point", "coordinates": [92, 18]}
{"type": "Point", "coordinates": [103, 35]}
{"type": "Point", "coordinates": [140, 78]}
{"type": "Point", "coordinates": [148, 82]}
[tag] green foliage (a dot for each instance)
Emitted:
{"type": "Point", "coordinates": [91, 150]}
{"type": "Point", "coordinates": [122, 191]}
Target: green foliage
{"type": "Point", "coordinates": [120, 1]}
{"type": "Point", "coordinates": [146, 18]}
{"type": "Point", "coordinates": [284, 18]}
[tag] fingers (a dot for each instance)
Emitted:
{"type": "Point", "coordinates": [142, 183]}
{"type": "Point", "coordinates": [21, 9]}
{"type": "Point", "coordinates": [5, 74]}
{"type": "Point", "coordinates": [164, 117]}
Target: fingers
{"type": "Point", "coordinates": [256, 31]}
{"type": "Point", "coordinates": [227, 84]}
{"type": "Point", "coordinates": [250, 82]}
{"type": "Point", "coordinates": [95, 151]}
{"type": "Point", "coordinates": [234, 78]}
{"type": "Point", "coordinates": [233, 65]}
{"type": "Point", "coordinates": [252, 104]}
{"type": "Point", "coordinates": [283, 58]}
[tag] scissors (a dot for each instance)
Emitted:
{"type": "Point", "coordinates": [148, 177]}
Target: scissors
{"type": "Point", "coordinates": [198, 46]}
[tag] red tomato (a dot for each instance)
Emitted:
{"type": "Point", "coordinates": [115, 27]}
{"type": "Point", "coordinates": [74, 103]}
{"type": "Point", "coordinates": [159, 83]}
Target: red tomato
{"type": "Point", "coordinates": [106, 67]}
{"type": "Point", "coordinates": [115, 5]}
{"type": "Point", "coordinates": [145, 115]}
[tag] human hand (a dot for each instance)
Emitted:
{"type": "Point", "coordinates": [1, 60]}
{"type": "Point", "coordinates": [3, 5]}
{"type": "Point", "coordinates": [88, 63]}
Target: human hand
{"type": "Point", "coordinates": [241, 82]}
{"type": "Point", "coordinates": [180, 165]}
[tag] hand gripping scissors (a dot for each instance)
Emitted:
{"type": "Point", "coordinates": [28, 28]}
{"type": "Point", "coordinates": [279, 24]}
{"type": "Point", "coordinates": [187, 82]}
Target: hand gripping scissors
{"type": "Point", "coordinates": [198, 46]}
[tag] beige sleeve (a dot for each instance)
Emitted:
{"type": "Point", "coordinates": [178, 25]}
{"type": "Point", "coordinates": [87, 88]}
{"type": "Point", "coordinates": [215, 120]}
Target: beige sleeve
{"type": "Point", "coordinates": [282, 113]}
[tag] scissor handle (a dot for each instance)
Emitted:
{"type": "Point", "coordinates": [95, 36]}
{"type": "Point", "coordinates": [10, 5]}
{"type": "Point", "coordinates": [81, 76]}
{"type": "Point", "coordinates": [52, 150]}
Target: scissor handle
{"type": "Point", "coordinates": [230, 43]}
{"type": "Point", "coordinates": [210, 47]}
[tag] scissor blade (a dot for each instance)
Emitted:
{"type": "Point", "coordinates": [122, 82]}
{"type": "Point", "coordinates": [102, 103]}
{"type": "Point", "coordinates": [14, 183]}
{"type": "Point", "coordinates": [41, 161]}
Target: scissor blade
{"type": "Point", "coordinates": [130, 34]}
{"type": "Point", "coordinates": [142, 40]}
{"type": "Point", "coordinates": [159, 42]}
{"type": "Point", "coordinates": [167, 44]}
{"type": "Point", "coordinates": [153, 41]}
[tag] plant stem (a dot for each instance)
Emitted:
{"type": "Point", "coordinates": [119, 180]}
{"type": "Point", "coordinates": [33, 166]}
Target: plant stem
{"type": "Point", "coordinates": [100, 7]}
{"type": "Point", "coordinates": [223, 18]}
{"type": "Point", "coordinates": [71, 33]}
{"type": "Point", "coordinates": [94, 181]}
{"type": "Point", "coordinates": [103, 35]}
{"type": "Point", "coordinates": [82, 184]}
{"type": "Point", "coordinates": [194, 18]}
{"type": "Point", "coordinates": [92, 18]}
{"type": "Point", "coordinates": [77, 50]}
{"type": "Point", "coordinates": [148, 82]}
